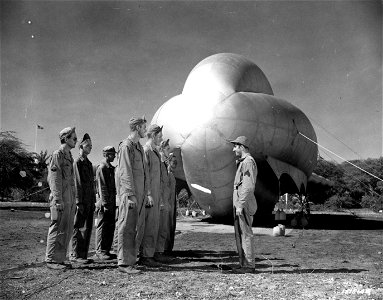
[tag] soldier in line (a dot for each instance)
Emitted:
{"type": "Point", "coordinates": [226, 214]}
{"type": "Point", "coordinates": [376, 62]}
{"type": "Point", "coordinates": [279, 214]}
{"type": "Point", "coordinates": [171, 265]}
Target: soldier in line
{"type": "Point", "coordinates": [132, 188]}
{"type": "Point", "coordinates": [106, 204]}
{"type": "Point", "coordinates": [163, 229]}
{"type": "Point", "coordinates": [148, 230]}
{"type": "Point", "coordinates": [85, 202]}
{"type": "Point", "coordinates": [172, 215]}
{"type": "Point", "coordinates": [62, 205]}
{"type": "Point", "coordinates": [244, 204]}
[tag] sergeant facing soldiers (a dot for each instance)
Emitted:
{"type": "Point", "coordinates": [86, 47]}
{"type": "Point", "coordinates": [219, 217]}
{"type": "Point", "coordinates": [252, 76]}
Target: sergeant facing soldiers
{"type": "Point", "coordinates": [132, 187]}
{"type": "Point", "coordinates": [148, 231]}
{"type": "Point", "coordinates": [62, 206]}
{"type": "Point", "coordinates": [106, 204]}
{"type": "Point", "coordinates": [245, 204]}
{"type": "Point", "coordinates": [85, 202]}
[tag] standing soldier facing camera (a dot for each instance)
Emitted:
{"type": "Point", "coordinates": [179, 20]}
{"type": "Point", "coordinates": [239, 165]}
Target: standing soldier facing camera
{"type": "Point", "coordinates": [132, 187]}
{"type": "Point", "coordinates": [244, 204]}
{"type": "Point", "coordinates": [85, 202]}
{"type": "Point", "coordinates": [106, 204]}
{"type": "Point", "coordinates": [62, 205]}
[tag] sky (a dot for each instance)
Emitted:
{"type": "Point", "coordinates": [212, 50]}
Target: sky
{"type": "Point", "coordinates": [95, 64]}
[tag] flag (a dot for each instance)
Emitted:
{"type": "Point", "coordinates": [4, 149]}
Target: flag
{"type": "Point", "coordinates": [39, 127]}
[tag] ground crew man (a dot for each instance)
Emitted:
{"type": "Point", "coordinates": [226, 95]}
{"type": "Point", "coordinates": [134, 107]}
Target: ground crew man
{"type": "Point", "coordinates": [132, 188]}
{"type": "Point", "coordinates": [85, 202]}
{"type": "Point", "coordinates": [172, 216]}
{"type": "Point", "coordinates": [168, 215]}
{"type": "Point", "coordinates": [106, 204]}
{"type": "Point", "coordinates": [148, 233]}
{"type": "Point", "coordinates": [163, 230]}
{"type": "Point", "coordinates": [244, 204]}
{"type": "Point", "coordinates": [62, 205]}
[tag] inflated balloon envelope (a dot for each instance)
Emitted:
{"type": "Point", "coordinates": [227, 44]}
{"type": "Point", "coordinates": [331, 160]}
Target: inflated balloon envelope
{"type": "Point", "coordinates": [226, 96]}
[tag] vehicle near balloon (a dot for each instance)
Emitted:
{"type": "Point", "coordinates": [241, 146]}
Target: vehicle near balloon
{"type": "Point", "coordinates": [226, 96]}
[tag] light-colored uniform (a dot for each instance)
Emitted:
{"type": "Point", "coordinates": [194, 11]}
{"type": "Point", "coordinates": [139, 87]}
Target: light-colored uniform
{"type": "Point", "coordinates": [130, 177]}
{"type": "Point", "coordinates": [148, 233]}
{"type": "Point", "coordinates": [61, 183]}
{"type": "Point", "coordinates": [243, 197]}
{"type": "Point", "coordinates": [163, 230]}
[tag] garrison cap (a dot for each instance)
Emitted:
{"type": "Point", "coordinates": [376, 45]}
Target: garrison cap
{"type": "Point", "coordinates": [85, 139]}
{"type": "Point", "coordinates": [154, 128]}
{"type": "Point", "coordinates": [109, 149]}
{"type": "Point", "coordinates": [137, 121]}
{"type": "Point", "coordinates": [66, 132]}
{"type": "Point", "coordinates": [164, 144]}
{"type": "Point", "coordinates": [241, 140]}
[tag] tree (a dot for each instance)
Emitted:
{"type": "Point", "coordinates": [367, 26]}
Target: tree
{"type": "Point", "coordinates": [17, 168]}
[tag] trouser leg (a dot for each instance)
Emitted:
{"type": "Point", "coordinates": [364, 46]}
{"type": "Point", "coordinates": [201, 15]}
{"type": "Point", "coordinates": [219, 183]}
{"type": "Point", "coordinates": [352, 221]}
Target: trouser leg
{"type": "Point", "coordinates": [163, 230]}
{"type": "Point", "coordinates": [149, 240]}
{"type": "Point", "coordinates": [59, 234]}
{"type": "Point", "coordinates": [83, 223]}
{"type": "Point", "coordinates": [247, 239]}
{"type": "Point", "coordinates": [127, 222]}
{"type": "Point", "coordinates": [115, 235]}
{"type": "Point", "coordinates": [238, 239]}
{"type": "Point", "coordinates": [104, 230]}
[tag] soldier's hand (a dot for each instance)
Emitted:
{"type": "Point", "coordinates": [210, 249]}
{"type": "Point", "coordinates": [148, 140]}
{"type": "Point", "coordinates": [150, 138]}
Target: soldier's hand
{"type": "Point", "coordinates": [238, 211]}
{"type": "Point", "coordinates": [60, 206]}
{"type": "Point", "coordinates": [149, 201]}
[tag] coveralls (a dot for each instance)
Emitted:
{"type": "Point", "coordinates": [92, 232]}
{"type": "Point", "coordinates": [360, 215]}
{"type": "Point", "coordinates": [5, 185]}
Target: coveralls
{"type": "Point", "coordinates": [85, 196]}
{"type": "Point", "coordinates": [148, 231]}
{"type": "Point", "coordinates": [106, 212]}
{"type": "Point", "coordinates": [163, 229]}
{"type": "Point", "coordinates": [243, 197]}
{"type": "Point", "coordinates": [130, 178]}
{"type": "Point", "coordinates": [61, 183]}
{"type": "Point", "coordinates": [172, 212]}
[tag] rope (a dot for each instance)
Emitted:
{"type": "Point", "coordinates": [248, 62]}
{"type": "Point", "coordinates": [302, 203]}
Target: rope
{"type": "Point", "coordinates": [341, 157]}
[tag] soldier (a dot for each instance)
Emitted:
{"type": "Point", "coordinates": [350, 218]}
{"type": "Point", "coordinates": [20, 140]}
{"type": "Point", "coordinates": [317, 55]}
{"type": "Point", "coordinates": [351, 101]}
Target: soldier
{"type": "Point", "coordinates": [132, 187]}
{"type": "Point", "coordinates": [106, 205]}
{"type": "Point", "coordinates": [62, 206]}
{"type": "Point", "coordinates": [165, 240]}
{"type": "Point", "coordinates": [244, 204]}
{"type": "Point", "coordinates": [85, 202]}
{"type": "Point", "coordinates": [148, 231]}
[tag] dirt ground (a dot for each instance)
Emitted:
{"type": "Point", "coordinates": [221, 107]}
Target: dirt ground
{"type": "Point", "coordinates": [338, 257]}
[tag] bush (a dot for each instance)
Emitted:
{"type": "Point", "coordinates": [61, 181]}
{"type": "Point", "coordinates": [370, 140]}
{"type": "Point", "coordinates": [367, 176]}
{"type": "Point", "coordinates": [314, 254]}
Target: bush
{"type": "Point", "coordinates": [338, 202]}
{"type": "Point", "coordinates": [17, 194]}
{"type": "Point", "coordinates": [372, 202]}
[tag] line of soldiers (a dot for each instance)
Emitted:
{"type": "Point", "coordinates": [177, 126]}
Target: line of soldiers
{"type": "Point", "coordinates": [134, 202]}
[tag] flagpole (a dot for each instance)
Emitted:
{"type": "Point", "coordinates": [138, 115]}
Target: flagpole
{"type": "Point", "coordinates": [36, 139]}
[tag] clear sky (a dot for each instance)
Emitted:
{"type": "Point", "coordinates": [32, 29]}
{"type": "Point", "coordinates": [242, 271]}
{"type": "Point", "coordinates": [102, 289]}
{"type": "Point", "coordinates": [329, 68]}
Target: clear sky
{"type": "Point", "coordinates": [95, 64]}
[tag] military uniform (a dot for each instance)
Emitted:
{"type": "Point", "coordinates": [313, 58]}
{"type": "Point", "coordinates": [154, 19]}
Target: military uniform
{"type": "Point", "coordinates": [130, 181]}
{"type": "Point", "coordinates": [85, 197]}
{"type": "Point", "coordinates": [106, 210]}
{"type": "Point", "coordinates": [61, 183]}
{"type": "Point", "coordinates": [148, 231]}
{"type": "Point", "coordinates": [172, 212]}
{"type": "Point", "coordinates": [243, 197]}
{"type": "Point", "coordinates": [163, 230]}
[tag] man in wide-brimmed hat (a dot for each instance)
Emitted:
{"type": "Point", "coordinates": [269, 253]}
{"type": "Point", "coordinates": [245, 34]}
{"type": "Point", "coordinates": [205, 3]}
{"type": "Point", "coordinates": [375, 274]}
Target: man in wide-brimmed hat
{"type": "Point", "coordinates": [244, 204]}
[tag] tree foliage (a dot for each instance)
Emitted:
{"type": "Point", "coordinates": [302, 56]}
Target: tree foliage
{"type": "Point", "coordinates": [353, 187]}
{"type": "Point", "coordinates": [18, 171]}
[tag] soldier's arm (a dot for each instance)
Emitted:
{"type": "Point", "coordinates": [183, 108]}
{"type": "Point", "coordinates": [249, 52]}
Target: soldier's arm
{"type": "Point", "coordinates": [102, 184]}
{"type": "Point", "coordinates": [126, 173]}
{"type": "Point", "coordinates": [77, 183]}
{"type": "Point", "coordinates": [55, 178]}
{"type": "Point", "coordinates": [248, 182]}
{"type": "Point", "coordinates": [149, 165]}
